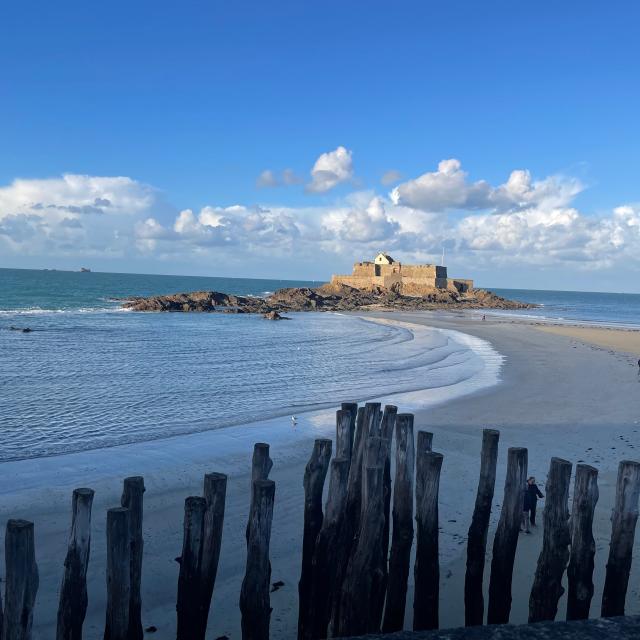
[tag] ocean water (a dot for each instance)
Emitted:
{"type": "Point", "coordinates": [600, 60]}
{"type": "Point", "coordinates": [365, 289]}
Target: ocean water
{"type": "Point", "coordinates": [90, 375]}
{"type": "Point", "coordinates": [615, 309]}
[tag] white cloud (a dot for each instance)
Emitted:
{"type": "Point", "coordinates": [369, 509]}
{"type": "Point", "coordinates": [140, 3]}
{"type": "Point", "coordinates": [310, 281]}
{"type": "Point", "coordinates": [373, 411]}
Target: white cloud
{"type": "Point", "coordinates": [524, 221]}
{"type": "Point", "coordinates": [269, 178]}
{"type": "Point", "coordinates": [448, 189]}
{"type": "Point", "coordinates": [331, 169]}
{"type": "Point", "coordinates": [391, 176]}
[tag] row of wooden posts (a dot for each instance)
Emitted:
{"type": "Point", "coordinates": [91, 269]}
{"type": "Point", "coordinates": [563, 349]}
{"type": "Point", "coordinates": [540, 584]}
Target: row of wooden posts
{"type": "Point", "coordinates": [356, 553]}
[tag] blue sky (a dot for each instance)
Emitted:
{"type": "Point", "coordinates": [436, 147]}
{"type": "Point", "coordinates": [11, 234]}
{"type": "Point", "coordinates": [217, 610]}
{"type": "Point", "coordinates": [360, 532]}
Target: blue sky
{"type": "Point", "coordinates": [190, 102]}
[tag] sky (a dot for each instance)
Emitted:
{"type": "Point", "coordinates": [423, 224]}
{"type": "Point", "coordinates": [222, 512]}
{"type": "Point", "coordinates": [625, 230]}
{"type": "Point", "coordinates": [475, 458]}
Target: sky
{"type": "Point", "coordinates": [290, 139]}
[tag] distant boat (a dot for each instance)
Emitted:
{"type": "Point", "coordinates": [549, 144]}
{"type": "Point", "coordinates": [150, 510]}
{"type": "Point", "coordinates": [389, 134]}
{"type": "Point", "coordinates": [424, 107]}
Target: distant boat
{"type": "Point", "coordinates": [84, 270]}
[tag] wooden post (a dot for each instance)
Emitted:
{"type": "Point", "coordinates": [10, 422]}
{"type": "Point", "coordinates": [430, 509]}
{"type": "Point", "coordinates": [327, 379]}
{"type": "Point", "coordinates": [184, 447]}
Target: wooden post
{"type": "Point", "coordinates": [314, 477]}
{"type": "Point", "coordinates": [190, 602]}
{"type": "Point", "coordinates": [215, 493]}
{"type": "Point", "coordinates": [72, 607]}
{"type": "Point", "coordinates": [254, 594]}
{"type": "Point", "coordinates": [118, 573]}
{"type": "Point", "coordinates": [261, 463]}
{"type": "Point", "coordinates": [132, 499]}
{"type": "Point", "coordinates": [352, 408]}
{"type": "Point", "coordinates": [477, 537]}
{"type": "Point", "coordinates": [623, 528]}
{"type": "Point", "coordinates": [366, 423]}
{"type": "Point", "coordinates": [362, 594]}
{"type": "Point", "coordinates": [425, 442]}
{"type": "Point", "coordinates": [505, 541]}
{"type": "Point", "coordinates": [386, 431]}
{"type": "Point", "coordinates": [427, 566]}
{"type": "Point", "coordinates": [21, 580]}
{"type": "Point", "coordinates": [402, 540]}
{"type": "Point", "coordinates": [326, 549]}
{"type": "Point", "coordinates": [583, 546]}
{"type": "Point", "coordinates": [344, 434]}
{"type": "Point", "coordinates": [547, 585]}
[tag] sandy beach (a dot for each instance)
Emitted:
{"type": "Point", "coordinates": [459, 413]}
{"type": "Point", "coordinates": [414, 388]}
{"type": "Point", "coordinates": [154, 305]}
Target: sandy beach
{"type": "Point", "coordinates": [565, 391]}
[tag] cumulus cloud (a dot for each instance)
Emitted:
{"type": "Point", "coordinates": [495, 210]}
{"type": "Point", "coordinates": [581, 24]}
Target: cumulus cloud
{"type": "Point", "coordinates": [267, 179]}
{"type": "Point", "coordinates": [523, 221]}
{"type": "Point", "coordinates": [331, 169]}
{"type": "Point", "coordinates": [448, 189]}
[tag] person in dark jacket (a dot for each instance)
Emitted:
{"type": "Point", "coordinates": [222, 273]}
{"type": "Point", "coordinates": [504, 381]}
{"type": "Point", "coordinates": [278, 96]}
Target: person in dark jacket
{"type": "Point", "coordinates": [531, 499]}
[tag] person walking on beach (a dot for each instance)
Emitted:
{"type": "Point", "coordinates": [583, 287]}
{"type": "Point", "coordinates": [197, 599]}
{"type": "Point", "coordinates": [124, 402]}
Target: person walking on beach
{"type": "Point", "coordinates": [534, 493]}
{"type": "Point", "coordinates": [526, 507]}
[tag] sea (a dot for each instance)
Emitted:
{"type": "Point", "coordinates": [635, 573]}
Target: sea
{"type": "Point", "coordinates": [90, 375]}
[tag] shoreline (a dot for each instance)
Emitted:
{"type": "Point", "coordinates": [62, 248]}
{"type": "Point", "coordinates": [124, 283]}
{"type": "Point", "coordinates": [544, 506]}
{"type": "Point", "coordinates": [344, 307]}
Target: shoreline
{"type": "Point", "coordinates": [548, 384]}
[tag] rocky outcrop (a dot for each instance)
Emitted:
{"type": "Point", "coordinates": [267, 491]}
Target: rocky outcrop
{"type": "Point", "coordinates": [329, 297]}
{"type": "Point", "coordinates": [274, 315]}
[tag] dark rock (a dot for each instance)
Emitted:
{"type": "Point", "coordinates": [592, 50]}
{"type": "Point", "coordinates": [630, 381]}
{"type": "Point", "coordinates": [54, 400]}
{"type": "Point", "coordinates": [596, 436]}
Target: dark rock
{"type": "Point", "coordinates": [151, 629]}
{"type": "Point", "coordinates": [277, 585]}
{"type": "Point", "coordinates": [274, 315]}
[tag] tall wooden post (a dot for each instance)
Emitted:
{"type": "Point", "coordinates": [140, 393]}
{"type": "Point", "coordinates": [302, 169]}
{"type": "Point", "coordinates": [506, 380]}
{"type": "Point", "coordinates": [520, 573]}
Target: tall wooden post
{"type": "Point", "coordinates": [326, 549]}
{"type": "Point", "coordinates": [402, 540]}
{"type": "Point", "coordinates": [132, 499]}
{"type": "Point", "coordinates": [344, 434]}
{"type": "Point", "coordinates": [583, 545]}
{"type": "Point", "coordinates": [261, 463]}
{"type": "Point", "coordinates": [623, 528]}
{"type": "Point", "coordinates": [215, 494]}
{"type": "Point", "coordinates": [366, 423]}
{"type": "Point", "coordinates": [505, 541]}
{"type": "Point", "coordinates": [386, 431]}
{"type": "Point", "coordinates": [72, 607]}
{"type": "Point", "coordinates": [477, 537]}
{"type": "Point", "coordinates": [427, 565]}
{"type": "Point", "coordinates": [21, 580]}
{"type": "Point", "coordinates": [362, 595]}
{"type": "Point", "coordinates": [547, 585]}
{"type": "Point", "coordinates": [189, 605]}
{"type": "Point", "coordinates": [314, 477]}
{"type": "Point", "coordinates": [254, 595]}
{"type": "Point", "coordinates": [118, 573]}
{"type": "Point", "coordinates": [352, 408]}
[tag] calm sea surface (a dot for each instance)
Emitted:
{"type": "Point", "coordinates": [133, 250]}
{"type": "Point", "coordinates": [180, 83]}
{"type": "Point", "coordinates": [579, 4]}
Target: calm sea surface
{"type": "Point", "coordinates": [90, 375]}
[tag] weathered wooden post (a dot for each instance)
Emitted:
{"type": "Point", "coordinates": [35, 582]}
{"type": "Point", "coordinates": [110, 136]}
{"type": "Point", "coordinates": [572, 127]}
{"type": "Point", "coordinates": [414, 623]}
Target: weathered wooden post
{"type": "Point", "coordinates": [366, 423]}
{"type": "Point", "coordinates": [505, 541]}
{"type": "Point", "coordinates": [362, 595]}
{"type": "Point", "coordinates": [477, 538]}
{"type": "Point", "coordinates": [344, 435]}
{"type": "Point", "coordinates": [118, 573]}
{"type": "Point", "coordinates": [427, 565]}
{"type": "Point", "coordinates": [215, 493]}
{"type": "Point", "coordinates": [21, 580]}
{"type": "Point", "coordinates": [132, 499]}
{"type": "Point", "coordinates": [326, 550]}
{"type": "Point", "coordinates": [254, 594]}
{"type": "Point", "coordinates": [547, 585]}
{"type": "Point", "coordinates": [261, 463]}
{"type": "Point", "coordinates": [623, 528]}
{"type": "Point", "coordinates": [386, 431]}
{"type": "Point", "coordinates": [314, 477]}
{"type": "Point", "coordinates": [72, 607]}
{"type": "Point", "coordinates": [425, 442]}
{"type": "Point", "coordinates": [190, 602]}
{"type": "Point", "coordinates": [400, 558]}
{"type": "Point", "coordinates": [583, 546]}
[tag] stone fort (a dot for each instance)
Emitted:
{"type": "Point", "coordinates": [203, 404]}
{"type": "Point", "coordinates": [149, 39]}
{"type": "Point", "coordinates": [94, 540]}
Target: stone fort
{"type": "Point", "coordinates": [386, 272]}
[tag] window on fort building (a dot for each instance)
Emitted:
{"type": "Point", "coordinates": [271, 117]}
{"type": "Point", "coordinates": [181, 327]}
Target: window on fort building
{"type": "Point", "coordinates": [377, 270]}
